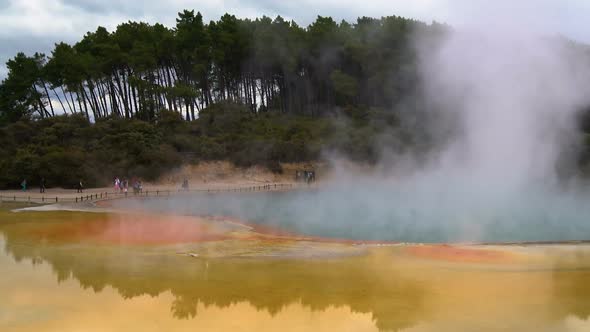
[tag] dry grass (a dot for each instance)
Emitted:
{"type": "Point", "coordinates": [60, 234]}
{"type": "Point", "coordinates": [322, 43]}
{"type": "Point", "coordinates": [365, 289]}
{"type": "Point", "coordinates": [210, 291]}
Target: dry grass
{"type": "Point", "coordinates": [223, 172]}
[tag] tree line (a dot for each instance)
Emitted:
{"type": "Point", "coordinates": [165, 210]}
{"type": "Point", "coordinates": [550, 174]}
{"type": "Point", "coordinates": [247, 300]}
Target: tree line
{"type": "Point", "coordinates": [269, 65]}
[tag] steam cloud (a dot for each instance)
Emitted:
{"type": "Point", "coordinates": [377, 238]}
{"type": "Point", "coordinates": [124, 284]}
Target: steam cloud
{"type": "Point", "coordinates": [515, 97]}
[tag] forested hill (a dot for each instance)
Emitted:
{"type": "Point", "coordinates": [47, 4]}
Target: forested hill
{"type": "Point", "coordinates": [141, 99]}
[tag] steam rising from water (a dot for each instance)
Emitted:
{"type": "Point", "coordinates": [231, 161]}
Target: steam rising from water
{"type": "Point", "coordinates": [510, 99]}
{"type": "Point", "coordinates": [513, 96]}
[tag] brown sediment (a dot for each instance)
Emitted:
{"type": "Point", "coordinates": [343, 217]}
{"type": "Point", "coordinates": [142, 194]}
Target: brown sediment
{"type": "Point", "coordinates": [451, 253]}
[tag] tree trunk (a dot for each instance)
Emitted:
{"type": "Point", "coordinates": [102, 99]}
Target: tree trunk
{"type": "Point", "coordinates": [48, 98]}
{"type": "Point", "coordinates": [59, 99]}
{"type": "Point", "coordinates": [67, 101]}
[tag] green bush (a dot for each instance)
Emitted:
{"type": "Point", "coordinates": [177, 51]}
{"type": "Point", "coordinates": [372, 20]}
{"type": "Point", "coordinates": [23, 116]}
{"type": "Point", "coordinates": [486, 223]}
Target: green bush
{"type": "Point", "coordinates": [65, 149]}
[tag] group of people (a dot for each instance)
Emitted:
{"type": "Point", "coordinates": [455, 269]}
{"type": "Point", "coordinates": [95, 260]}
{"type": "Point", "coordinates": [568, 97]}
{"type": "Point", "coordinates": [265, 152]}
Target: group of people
{"type": "Point", "coordinates": [123, 185]}
{"type": "Point", "coordinates": [137, 187]}
{"type": "Point", "coordinates": [305, 176]}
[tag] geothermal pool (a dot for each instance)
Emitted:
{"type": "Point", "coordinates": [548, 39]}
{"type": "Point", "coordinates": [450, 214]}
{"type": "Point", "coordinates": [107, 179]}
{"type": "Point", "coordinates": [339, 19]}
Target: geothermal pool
{"type": "Point", "coordinates": [397, 216]}
{"type": "Point", "coordinates": [75, 271]}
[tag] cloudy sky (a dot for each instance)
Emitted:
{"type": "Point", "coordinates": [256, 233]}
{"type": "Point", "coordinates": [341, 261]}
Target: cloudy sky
{"type": "Point", "coordinates": [35, 25]}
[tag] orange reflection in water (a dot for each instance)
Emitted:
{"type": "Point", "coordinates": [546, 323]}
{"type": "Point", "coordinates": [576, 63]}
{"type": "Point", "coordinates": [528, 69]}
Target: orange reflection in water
{"type": "Point", "coordinates": [68, 272]}
{"type": "Point", "coordinates": [132, 229]}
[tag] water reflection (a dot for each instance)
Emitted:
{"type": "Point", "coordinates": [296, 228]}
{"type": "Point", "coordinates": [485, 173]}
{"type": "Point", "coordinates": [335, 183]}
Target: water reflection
{"type": "Point", "coordinates": [571, 282]}
{"type": "Point", "coordinates": [383, 289]}
{"type": "Point", "coordinates": [266, 284]}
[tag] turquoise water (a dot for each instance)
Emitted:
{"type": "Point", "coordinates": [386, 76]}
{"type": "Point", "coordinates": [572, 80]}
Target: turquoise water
{"type": "Point", "coordinates": [388, 215]}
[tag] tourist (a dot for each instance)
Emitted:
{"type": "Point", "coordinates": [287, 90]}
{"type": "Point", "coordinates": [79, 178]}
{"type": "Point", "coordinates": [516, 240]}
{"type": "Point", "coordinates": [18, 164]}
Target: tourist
{"type": "Point", "coordinates": [136, 187]}
{"type": "Point", "coordinates": [23, 185]}
{"type": "Point", "coordinates": [80, 186]}
{"type": "Point", "coordinates": [117, 184]}
{"type": "Point", "coordinates": [42, 185]}
{"type": "Point", "coordinates": [299, 176]}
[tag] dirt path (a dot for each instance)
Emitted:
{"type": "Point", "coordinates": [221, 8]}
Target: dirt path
{"type": "Point", "coordinates": [205, 176]}
{"type": "Point", "coordinates": [60, 195]}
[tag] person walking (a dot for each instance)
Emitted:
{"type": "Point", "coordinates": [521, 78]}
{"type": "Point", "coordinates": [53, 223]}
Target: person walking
{"type": "Point", "coordinates": [80, 186]}
{"type": "Point", "coordinates": [23, 185]}
{"type": "Point", "coordinates": [42, 185]}
{"type": "Point", "coordinates": [125, 186]}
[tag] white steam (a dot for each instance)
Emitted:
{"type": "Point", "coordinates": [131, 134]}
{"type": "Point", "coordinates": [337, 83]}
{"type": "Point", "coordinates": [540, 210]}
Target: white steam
{"type": "Point", "coordinates": [515, 97]}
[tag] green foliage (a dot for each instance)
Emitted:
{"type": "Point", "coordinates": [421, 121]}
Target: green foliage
{"type": "Point", "coordinates": [345, 86]}
{"type": "Point", "coordinates": [65, 149]}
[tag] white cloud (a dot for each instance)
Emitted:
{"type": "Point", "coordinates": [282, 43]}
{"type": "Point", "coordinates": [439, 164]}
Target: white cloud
{"type": "Point", "coordinates": [68, 20]}
{"type": "Point", "coordinates": [51, 18]}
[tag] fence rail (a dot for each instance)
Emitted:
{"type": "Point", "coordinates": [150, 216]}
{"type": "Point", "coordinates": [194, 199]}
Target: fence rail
{"type": "Point", "coordinates": [68, 198]}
